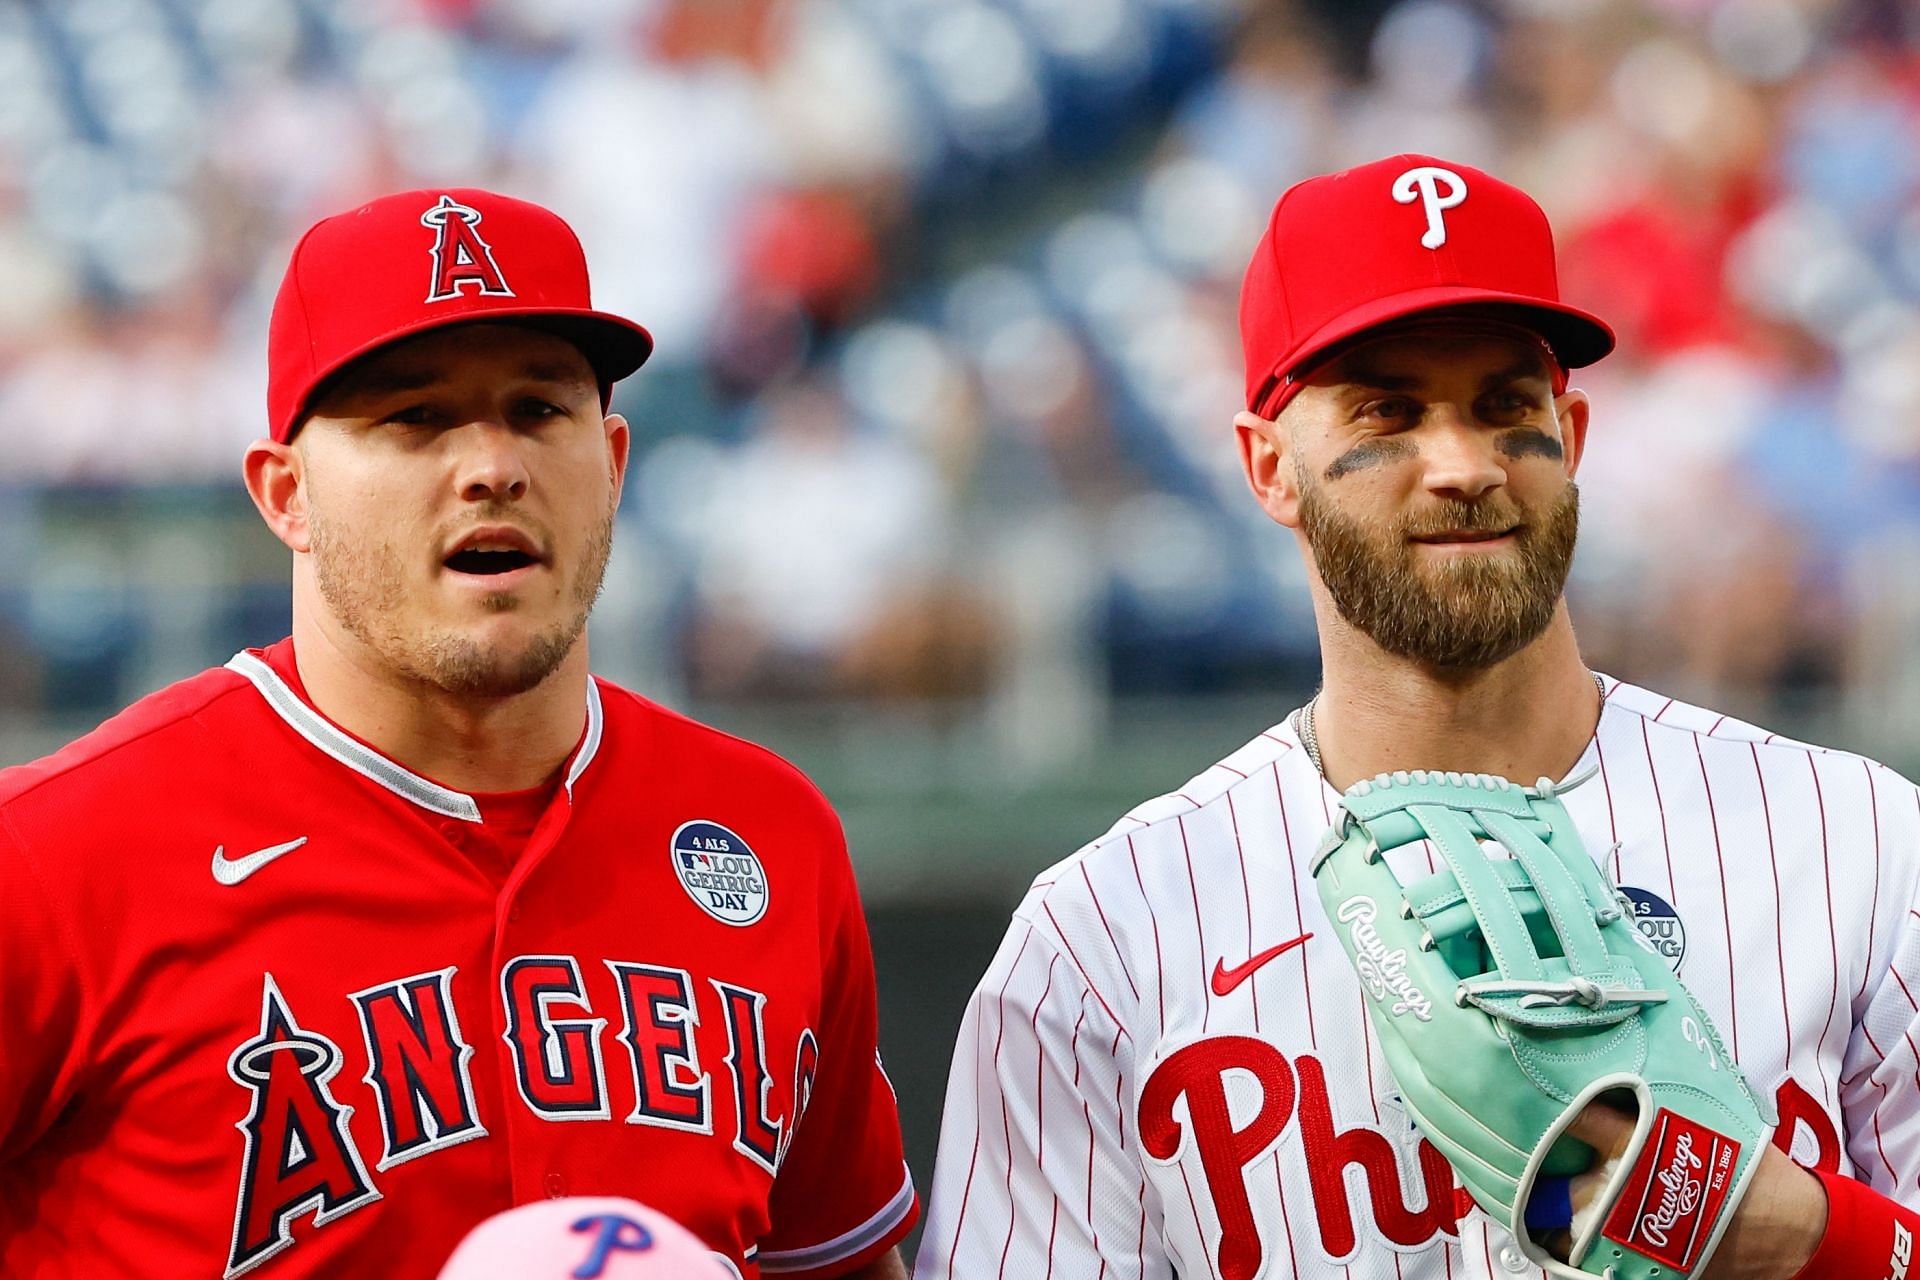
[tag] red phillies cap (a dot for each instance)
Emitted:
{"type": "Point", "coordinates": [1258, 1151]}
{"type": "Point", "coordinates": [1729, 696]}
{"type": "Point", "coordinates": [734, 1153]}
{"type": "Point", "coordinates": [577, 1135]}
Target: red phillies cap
{"type": "Point", "coordinates": [604, 1236]}
{"type": "Point", "coordinates": [406, 263]}
{"type": "Point", "coordinates": [1347, 251]}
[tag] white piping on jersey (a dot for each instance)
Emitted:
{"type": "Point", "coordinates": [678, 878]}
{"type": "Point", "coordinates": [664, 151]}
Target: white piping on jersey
{"type": "Point", "coordinates": [375, 767]}
{"type": "Point", "coordinates": [847, 1243]}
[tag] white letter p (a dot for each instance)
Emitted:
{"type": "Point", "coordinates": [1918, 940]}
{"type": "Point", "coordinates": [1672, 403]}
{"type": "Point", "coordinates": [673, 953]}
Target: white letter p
{"type": "Point", "coordinates": [1425, 185]}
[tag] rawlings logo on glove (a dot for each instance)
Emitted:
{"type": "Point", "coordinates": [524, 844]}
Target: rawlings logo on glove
{"type": "Point", "coordinates": [1684, 1195]}
{"type": "Point", "coordinates": [1384, 971]}
{"type": "Point", "coordinates": [1531, 996]}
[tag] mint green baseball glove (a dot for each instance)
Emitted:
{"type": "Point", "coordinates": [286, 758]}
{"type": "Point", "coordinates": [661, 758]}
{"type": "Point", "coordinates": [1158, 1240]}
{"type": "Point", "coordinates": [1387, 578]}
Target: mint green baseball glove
{"type": "Point", "coordinates": [1509, 992]}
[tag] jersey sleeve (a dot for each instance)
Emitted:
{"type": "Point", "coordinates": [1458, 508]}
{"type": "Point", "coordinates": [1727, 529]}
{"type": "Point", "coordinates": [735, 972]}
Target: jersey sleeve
{"type": "Point", "coordinates": [40, 1003]}
{"type": "Point", "coordinates": [1039, 1171]}
{"type": "Point", "coordinates": [843, 1195]}
{"type": "Point", "coordinates": [1880, 1084]}
{"type": "Point", "coordinates": [1880, 1078]}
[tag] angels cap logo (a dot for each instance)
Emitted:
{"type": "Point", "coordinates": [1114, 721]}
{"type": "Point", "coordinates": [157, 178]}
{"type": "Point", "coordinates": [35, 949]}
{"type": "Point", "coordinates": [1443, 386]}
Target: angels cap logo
{"type": "Point", "coordinates": [1437, 190]}
{"type": "Point", "coordinates": [719, 872]}
{"type": "Point", "coordinates": [460, 256]}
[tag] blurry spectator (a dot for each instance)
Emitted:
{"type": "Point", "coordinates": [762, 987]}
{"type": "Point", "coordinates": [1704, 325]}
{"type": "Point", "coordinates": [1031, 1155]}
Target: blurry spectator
{"type": "Point", "coordinates": [821, 565]}
{"type": "Point", "coordinates": [1012, 230]}
{"type": "Point", "coordinates": [654, 143]}
{"type": "Point", "coordinates": [1263, 117]}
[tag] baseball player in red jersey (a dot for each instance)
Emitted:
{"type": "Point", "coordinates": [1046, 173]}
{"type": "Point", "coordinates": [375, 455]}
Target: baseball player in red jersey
{"type": "Point", "coordinates": [316, 959]}
{"type": "Point", "coordinates": [1169, 1067]}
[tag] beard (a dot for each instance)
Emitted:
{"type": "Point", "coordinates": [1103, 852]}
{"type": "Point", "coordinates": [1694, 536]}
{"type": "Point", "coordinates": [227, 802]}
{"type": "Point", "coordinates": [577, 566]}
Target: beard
{"type": "Point", "coordinates": [364, 586]}
{"type": "Point", "coordinates": [1467, 613]}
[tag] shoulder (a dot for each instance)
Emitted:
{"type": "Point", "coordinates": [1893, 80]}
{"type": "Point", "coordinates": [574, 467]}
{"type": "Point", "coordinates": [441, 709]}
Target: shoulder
{"type": "Point", "coordinates": [1103, 904]}
{"type": "Point", "coordinates": [1677, 744]}
{"type": "Point", "coordinates": [1638, 711]}
{"type": "Point", "coordinates": [689, 747]}
{"type": "Point", "coordinates": [1213, 788]}
{"type": "Point", "coordinates": [1660, 712]}
{"type": "Point", "coordinates": [140, 742]}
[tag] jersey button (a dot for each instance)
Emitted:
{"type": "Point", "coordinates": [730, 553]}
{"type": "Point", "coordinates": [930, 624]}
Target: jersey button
{"type": "Point", "coordinates": [556, 1186]}
{"type": "Point", "coordinates": [454, 835]}
{"type": "Point", "coordinates": [1513, 1259]}
{"type": "Point", "coordinates": [513, 914]}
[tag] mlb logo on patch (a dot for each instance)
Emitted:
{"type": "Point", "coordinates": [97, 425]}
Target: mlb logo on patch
{"type": "Point", "coordinates": [1659, 924]}
{"type": "Point", "coordinates": [719, 872]}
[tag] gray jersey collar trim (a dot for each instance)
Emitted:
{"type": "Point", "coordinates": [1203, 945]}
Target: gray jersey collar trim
{"type": "Point", "coordinates": [370, 764]}
{"type": "Point", "coordinates": [590, 744]}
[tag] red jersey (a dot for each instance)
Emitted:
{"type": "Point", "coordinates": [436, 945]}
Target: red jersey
{"type": "Point", "coordinates": [281, 1007]}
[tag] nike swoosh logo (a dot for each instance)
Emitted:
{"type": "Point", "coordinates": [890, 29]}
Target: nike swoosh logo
{"type": "Point", "coordinates": [1225, 979]}
{"type": "Point", "coordinates": [233, 870]}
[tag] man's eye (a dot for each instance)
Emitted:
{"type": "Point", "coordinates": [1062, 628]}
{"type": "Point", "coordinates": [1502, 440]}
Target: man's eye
{"type": "Point", "coordinates": [1395, 409]}
{"type": "Point", "coordinates": [1510, 402]}
{"type": "Point", "coordinates": [414, 415]}
{"type": "Point", "coordinates": [535, 408]}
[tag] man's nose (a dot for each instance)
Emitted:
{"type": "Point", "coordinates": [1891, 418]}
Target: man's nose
{"type": "Point", "coordinates": [492, 464]}
{"type": "Point", "coordinates": [1460, 456]}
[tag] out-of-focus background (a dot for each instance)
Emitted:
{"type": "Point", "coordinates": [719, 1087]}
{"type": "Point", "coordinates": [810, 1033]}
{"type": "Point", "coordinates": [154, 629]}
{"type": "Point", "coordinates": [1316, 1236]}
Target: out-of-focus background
{"type": "Point", "coordinates": [935, 489]}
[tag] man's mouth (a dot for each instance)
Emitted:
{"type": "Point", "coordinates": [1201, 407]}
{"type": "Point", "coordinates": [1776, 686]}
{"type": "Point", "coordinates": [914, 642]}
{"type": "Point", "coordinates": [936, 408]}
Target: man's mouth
{"type": "Point", "coordinates": [486, 563]}
{"type": "Point", "coordinates": [1445, 536]}
{"type": "Point", "coordinates": [493, 553]}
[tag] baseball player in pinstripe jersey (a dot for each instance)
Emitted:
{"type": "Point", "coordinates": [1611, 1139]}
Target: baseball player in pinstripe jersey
{"type": "Point", "coordinates": [1168, 1069]}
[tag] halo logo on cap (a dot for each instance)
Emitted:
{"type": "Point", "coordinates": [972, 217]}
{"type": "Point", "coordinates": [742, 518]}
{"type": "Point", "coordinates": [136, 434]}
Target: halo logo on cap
{"type": "Point", "coordinates": [719, 872]}
{"type": "Point", "coordinates": [1423, 184]}
{"type": "Point", "coordinates": [460, 256]}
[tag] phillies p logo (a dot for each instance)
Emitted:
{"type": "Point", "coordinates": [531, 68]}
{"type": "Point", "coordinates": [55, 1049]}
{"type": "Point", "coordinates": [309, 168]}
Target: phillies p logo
{"type": "Point", "coordinates": [460, 256]}
{"type": "Point", "coordinates": [1437, 190]}
{"type": "Point", "coordinates": [612, 1234]}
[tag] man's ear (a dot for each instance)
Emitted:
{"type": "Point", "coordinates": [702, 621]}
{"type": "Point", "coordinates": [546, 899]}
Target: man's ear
{"type": "Point", "coordinates": [1266, 456]}
{"type": "Point", "coordinates": [275, 475]}
{"type": "Point", "coordinates": [1572, 408]}
{"type": "Point", "coordinates": [619, 451]}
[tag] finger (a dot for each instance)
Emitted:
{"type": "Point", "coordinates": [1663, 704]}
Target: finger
{"type": "Point", "coordinates": [1604, 1127]}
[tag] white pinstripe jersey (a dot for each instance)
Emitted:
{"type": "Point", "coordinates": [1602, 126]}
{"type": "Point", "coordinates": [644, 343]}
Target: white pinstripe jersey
{"type": "Point", "coordinates": [1136, 1092]}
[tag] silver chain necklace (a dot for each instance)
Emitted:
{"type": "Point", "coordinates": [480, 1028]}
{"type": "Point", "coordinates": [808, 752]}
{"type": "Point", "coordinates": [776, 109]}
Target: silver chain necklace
{"type": "Point", "coordinates": [1310, 739]}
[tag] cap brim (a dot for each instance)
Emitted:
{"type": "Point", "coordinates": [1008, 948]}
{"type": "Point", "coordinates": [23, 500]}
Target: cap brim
{"type": "Point", "coordinates": [1578, 338]}
{"type": "Point", "coordinates": [613, 345]}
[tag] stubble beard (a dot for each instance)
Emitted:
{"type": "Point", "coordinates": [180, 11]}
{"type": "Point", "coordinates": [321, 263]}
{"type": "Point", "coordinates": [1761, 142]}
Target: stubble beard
{"type": "Point", "coordinates": [364, 588]}
{"type": "Point", "coordinates": [1464, 613]}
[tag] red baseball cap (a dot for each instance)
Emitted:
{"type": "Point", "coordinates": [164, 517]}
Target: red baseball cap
{"type": "Point", "coordinates": [1409, 234]}
{"type": "Point", "coordinates": [419, 260]}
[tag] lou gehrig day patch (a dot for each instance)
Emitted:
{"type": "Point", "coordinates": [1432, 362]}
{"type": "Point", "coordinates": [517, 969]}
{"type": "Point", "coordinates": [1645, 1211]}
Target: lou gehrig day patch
{"type": "Point", "coordinates": [1659, 924]}
{"type": "Point", "coordinates": [1683, 1174]}
{"type": "Point", "coordinates": [720, 872]}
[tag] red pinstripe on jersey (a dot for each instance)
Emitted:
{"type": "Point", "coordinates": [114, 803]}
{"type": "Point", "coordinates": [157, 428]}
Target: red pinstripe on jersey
{"type": "Point", "coordinates": [1726, 908]}
{"type": "Point", "coordinates": [1104, 978]}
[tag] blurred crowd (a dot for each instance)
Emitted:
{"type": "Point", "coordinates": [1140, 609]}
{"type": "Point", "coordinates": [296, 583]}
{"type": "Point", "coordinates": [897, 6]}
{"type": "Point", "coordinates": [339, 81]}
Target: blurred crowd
{"type": "Point", "coordinates": [945, 294]}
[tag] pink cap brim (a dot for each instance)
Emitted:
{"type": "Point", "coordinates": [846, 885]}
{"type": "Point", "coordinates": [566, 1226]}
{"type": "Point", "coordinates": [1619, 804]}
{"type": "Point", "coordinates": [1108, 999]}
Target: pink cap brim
{"type": "Point", "coordinates": [554, 1239]}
